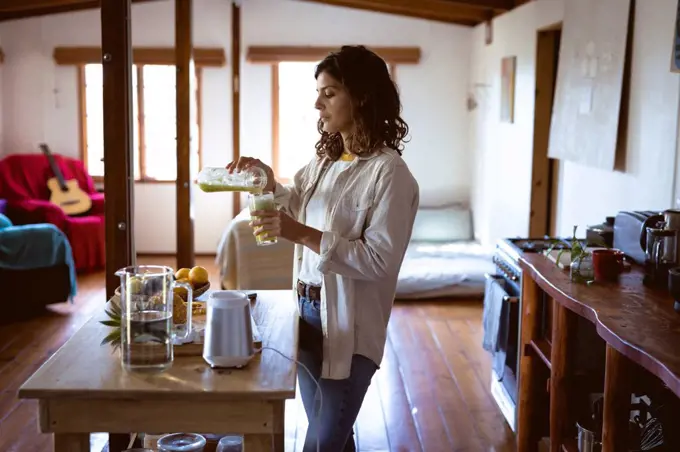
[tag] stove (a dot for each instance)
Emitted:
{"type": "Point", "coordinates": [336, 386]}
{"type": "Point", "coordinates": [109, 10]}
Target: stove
{"type": "Point", "coordinates": [506, 359]}
{"type": "Point", "coordinates": [505, 367]}
{"type": "Point", "coordinates": [539, 245]}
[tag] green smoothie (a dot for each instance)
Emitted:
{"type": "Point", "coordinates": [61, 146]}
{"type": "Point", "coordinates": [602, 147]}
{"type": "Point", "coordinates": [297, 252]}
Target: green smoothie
{"type": "Point", "coordinates": [264, 202]}
{"type": "Point", "coordinates": [217, 187]}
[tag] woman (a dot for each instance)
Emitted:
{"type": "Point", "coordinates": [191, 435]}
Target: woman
{"type": "Point", "coordinates": [350, 212]}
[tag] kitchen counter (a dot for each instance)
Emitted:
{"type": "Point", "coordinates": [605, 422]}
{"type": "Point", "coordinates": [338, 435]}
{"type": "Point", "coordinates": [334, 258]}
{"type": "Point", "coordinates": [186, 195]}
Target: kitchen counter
{"type": "Point", "coordinates": [637, 323]}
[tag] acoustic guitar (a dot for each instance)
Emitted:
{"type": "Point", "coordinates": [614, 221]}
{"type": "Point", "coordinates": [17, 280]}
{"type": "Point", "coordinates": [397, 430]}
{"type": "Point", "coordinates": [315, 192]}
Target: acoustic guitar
{"type": "Point", "coordinates": [65, 193]}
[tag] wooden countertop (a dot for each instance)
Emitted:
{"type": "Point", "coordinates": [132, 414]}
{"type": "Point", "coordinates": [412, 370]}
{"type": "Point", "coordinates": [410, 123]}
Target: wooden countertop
{"type": "Point", "coordinates": [82, 368]}
{"type": "Point", "coordinates": [637, 321]}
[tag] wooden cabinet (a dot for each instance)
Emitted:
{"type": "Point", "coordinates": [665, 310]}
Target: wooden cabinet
{"type": "Point", "coordinates": [608, 340]}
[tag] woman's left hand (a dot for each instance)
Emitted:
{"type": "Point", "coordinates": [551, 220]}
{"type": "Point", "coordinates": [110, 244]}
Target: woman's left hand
{"type": "Point", "coordinates": [275, 223]}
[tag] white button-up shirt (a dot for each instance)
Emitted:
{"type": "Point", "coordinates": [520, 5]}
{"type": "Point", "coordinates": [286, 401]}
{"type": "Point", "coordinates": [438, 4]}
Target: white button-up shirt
{"type": "Point", "coordinates": [370, 217]}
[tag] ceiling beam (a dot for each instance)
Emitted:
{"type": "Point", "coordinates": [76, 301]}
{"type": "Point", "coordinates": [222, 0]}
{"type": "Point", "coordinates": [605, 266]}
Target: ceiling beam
{"type": "Point", "coordinates": [21, 9]}
{"type": "Point", "coordinates": [277, 54]}
{"type": "Point", "coordinates": [462, 12]}
{"type": "Point", "coordinates": [488, 4]}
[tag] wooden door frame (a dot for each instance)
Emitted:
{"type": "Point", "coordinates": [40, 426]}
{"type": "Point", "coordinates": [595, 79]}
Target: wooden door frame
{"type": "Point", "coordinates": [544, 172]}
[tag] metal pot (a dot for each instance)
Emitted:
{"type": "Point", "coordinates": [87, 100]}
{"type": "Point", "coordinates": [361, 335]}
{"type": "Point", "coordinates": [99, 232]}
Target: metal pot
{"type": "Point", "coordinates": [587, 440]}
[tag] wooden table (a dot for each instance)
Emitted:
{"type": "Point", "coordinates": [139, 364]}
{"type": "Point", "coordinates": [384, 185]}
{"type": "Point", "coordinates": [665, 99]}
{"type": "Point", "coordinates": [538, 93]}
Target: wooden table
{"type": "Point", "coordinates": [82, 388]}
{"type": "Point", "coordinates": [638, 324]}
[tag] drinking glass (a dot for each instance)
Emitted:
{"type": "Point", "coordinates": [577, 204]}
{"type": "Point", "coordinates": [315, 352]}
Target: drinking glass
{"type": "Point", "coordinates": [263, 201]}
{"type": "Point", "coordinates": [230, 444]}
{"type": "Point", "coordinates": [147, 330]}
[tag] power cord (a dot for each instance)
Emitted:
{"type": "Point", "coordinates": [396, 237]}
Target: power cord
{"type": "Point", "coordinates": [318, 394]}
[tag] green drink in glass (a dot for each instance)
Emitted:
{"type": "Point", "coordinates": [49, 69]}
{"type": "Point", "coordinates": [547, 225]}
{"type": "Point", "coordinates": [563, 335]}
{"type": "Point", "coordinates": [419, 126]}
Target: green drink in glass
{"type": "Point", "coordinates": [265, 202]}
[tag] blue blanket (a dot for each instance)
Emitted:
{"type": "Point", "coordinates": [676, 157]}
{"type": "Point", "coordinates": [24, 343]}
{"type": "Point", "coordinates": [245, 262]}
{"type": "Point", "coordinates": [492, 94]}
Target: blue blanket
{"type": "Point", "coordinates": [36, 246]}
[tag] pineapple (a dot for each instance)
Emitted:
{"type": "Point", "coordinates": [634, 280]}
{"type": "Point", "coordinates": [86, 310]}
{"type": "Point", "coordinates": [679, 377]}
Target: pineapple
{"type": "Point", "coordinates": [114, 314]}
{"type": "Point", "coordinates": [179, 316]}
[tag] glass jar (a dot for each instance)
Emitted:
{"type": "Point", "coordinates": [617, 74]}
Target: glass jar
{"type": "Point", "coordinates": [582, 270]}
{"type": "Point", "coordinates": [214, 179]}
{"type": "Point", "coordinates": [181, 442]}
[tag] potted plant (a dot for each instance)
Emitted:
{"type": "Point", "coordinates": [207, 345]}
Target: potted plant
{"type": "Point", "coordinates": [581, 268]}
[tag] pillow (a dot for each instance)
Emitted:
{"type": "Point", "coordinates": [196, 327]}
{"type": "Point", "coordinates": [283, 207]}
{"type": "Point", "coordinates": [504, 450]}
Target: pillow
{"type": "Point", "coordinates": [442, 224]}
{"type": "Point", "coordinates": [4, 222]}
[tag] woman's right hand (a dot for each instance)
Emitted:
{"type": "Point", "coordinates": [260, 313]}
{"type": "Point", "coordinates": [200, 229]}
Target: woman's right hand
{"type": "Point", "coordinates": [246, 162]}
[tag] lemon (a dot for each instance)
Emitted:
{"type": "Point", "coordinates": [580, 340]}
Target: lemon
{"type": "Point", "coordinates": [182, 273]}
{"type": "Point", "coordinates": [198, 276]}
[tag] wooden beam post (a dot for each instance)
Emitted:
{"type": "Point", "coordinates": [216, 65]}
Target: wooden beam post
{"type": "Point", "coordinates": [119, 174]}
{"type": "Point", "coordinates": [236, 89]}
{"type": "Point", "coordinates": [118, 143]}
{"type": "Point", "coordinates": [183, 55]}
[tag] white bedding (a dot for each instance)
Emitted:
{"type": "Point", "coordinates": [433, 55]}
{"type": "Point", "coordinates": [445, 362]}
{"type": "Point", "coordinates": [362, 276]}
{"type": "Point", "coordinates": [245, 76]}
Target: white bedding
{"type": "Point", "coordinates": [245, 266]}
{"type": "Point", "coordinates": [432, 270]}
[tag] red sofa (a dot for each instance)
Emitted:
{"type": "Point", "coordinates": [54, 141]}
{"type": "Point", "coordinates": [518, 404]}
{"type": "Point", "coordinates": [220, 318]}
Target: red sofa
{"type": "Point", "coordinates": [23, 184]}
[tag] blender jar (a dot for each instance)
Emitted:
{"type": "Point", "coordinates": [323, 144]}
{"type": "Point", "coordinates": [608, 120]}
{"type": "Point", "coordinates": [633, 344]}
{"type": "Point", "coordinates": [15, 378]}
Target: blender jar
{"type": "Point", "coordinates": [214, 179]}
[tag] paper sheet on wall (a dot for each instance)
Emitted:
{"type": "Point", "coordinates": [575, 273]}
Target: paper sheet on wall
{"type": "Point", "coordinates": [585, 106]}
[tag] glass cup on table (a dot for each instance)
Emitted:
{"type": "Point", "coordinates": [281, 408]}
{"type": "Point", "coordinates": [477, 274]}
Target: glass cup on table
{"type": "Point", "coordinates": [263, 201]}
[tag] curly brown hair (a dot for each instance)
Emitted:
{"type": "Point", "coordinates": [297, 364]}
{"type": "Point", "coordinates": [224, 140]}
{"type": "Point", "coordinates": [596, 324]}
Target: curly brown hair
{"type": "Point", "coordinates": [376, 107]}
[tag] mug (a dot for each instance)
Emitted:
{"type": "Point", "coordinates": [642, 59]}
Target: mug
{"type": "Point", "coordinates": [607, 264]}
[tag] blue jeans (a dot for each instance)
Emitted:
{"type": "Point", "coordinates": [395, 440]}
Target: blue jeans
{"type": "Point", "coordinates": [342, 399]}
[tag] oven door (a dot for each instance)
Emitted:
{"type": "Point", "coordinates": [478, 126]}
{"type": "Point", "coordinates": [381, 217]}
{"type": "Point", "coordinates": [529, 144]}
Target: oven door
{"type": "Point", "coordinates": [497, 320]}
{"type": "Point", "coordinates": [504, 381]}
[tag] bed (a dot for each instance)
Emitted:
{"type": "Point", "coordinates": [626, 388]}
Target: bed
{"type": "Point", "coordinates": [442, 260]}
{"type": "Point", "coordinates": [244, 265]}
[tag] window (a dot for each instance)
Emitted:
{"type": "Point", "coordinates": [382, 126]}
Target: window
{"type": "Point", "coordinates": [154, 113]}
{"type": "Point", "coordinates": [294, 117]}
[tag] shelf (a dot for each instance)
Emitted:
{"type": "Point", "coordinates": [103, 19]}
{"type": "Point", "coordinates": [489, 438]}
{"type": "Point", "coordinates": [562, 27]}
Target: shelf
{"type": "Point", "coordinates": [543, 350]}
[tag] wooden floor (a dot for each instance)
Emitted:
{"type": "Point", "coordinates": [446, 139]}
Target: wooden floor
{"type": "Point", "coordinates": [431, 393]}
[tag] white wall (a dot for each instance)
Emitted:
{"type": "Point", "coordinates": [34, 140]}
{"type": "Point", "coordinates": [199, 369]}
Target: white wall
{"type": "Point", "coordinates": [40, 99]}
{"type": "Point", "coordinates": [503, 152]}
{"type": "Point", "coordinates": [433, 92]}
